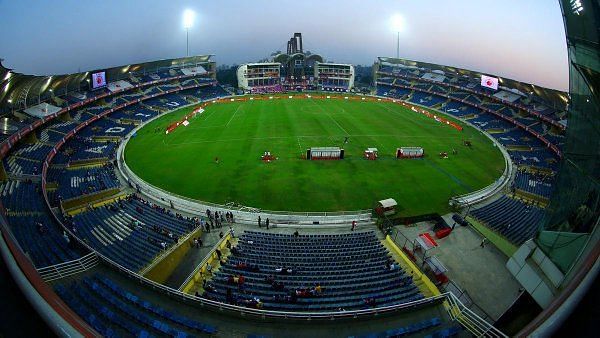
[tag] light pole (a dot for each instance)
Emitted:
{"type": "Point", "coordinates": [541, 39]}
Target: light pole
{"type": "Point", "coordinates": [398, 26]}
{"type": "Point", "coordinates": [398, 46]}
{"type": "Point", "coordinates": [188, 21]}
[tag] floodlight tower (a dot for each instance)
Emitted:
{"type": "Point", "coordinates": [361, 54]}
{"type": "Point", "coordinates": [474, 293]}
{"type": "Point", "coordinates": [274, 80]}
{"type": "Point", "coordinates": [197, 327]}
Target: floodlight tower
{"type": "Point", "coordinates": [398, 26]}
{"type": "Point", "coordinates": [188, 21]}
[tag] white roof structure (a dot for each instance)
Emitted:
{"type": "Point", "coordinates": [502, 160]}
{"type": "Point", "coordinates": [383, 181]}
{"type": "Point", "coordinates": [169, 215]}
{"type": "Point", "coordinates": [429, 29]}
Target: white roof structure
{"type": "Point", "coordinates": [41, 110]}
{"type": "Point", "coordinates": [388, 203]}
{"type": "Point", "coordinates": [119, 85]}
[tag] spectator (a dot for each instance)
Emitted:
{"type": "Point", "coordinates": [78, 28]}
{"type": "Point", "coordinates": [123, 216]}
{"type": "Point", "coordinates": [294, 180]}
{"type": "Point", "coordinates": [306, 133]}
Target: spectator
{"type": "Point", "coordinates": [370, 302]}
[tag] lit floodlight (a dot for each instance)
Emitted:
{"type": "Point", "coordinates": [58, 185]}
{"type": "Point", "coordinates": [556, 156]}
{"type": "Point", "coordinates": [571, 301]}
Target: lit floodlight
{"type": "Point", "coordinates": [397, 23]}
{"type": "Point", "coordinates": [188, 18]}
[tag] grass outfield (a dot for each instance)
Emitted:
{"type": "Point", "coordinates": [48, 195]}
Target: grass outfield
{"type": "Point", "coordinates": [238, 133]}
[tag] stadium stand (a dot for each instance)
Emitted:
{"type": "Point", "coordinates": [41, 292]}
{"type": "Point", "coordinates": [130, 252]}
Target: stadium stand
{"type": "Point", "coordinates": [514, 219]}
{"type": "Point", "coordinates": [463, 90]}
{"type": "Point", "coordinates": [22, 201]}
{"type": "Point", "coordinates": [412, 329]}
{"type": "Point", "coordinates": [81, 148]}
{"type": "Point", "coordinates": [131, 231]}
{"type": "Point", "coordinates": [515, 122]}
{"type": "Point", "coordinates": [537, 184]}
{"type": "Point", "coordinates": [326, 273]}
{"type": "Point", "coordinates": [76, 182]}
{"type": "Point", "coordinates": [41, 238]}
{"type": "Point", "coordinates": [115, 312]}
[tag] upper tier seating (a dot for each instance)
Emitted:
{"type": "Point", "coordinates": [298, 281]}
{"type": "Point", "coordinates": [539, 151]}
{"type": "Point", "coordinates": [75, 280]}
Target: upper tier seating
{"type": "Point", "coordinates": [426, 99]}
{"type": "Point", "coordinates": [83, 148]}
{"type": "Point", "coordinates": [460, 109]}
{"type": "Point", "coordinates": [43, 240]}
{"type": "Point", "coordinates": [352, 270]}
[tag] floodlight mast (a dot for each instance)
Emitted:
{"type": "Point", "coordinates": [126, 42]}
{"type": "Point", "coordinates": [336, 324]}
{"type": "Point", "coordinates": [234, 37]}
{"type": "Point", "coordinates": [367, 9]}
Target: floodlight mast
{"type": "Point", "coordinates": [398, 46]}
{"type": "Point", "coordinates": [398, 26]}
{"type": "Point", "coordinates": [188, 20]}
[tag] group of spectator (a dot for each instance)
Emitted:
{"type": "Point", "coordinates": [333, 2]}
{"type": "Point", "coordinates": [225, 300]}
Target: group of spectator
{"type": "Point", "coordinates": [216, 219]}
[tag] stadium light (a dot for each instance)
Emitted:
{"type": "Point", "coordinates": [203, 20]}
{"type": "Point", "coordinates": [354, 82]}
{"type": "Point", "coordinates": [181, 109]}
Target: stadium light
{"type": "Point", "coordinates": [188, 21]}
{"type": "Point", "coordinates": [397, 22]}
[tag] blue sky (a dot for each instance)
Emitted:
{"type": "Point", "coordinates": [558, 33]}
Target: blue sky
{"type": "Point", "coordinates": [522, 39]}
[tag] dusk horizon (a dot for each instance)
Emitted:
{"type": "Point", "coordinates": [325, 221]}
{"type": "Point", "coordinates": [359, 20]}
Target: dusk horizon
{"type": "Point", "coordinates": [521, 41]}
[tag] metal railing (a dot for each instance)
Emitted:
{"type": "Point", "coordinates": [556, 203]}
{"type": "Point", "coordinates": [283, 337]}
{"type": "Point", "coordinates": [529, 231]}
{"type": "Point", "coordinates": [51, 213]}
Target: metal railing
{"type": "Point", "coordinates": [206, 259]}
{"type": "Point", "coordinates": [469, 319]}
{"type": "Point", "coordinates": [66, 269]}
{"type": "Point", "coordinates": [160, 257]}
{"type": "Point", "coordinates": [466, 299]}
{"type": "Point", "coordinates": [451, 286]}
{"type": "Point", "coordinates": [489, 191]}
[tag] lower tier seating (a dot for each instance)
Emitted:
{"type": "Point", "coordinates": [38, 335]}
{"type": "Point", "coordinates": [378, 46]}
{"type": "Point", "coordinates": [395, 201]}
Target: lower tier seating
{"type": "Point", "coordinates": [131, 232]}
{"type": "Point", "coordinates": [114, 312]}
{"type": "Point", "coordinates": [42, 240]}
{"type": "Point", "coordinates": [516, 220]}
{"type": "Point", "coordinates": [540, 185]}
{"type": "Point", "coordinates": [311, 273]}
{"type": "Point", "coordinates": [405, 330]}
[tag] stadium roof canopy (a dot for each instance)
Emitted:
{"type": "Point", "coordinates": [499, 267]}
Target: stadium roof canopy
{"type": "Point", "coordinates": [558, 98]}
{"type": "Point", "coordinates": [19, 90]}
{"type": "Point", "coordinates": [285, 58]}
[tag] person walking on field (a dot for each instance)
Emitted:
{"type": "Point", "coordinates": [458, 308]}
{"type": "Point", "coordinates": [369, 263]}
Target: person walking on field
{"type": "Point", "coordinates": [267, 223]}
{"type": "Point", "coordinates": [259, 222]}
{"type": "Point", "coordinates": [353, 225]}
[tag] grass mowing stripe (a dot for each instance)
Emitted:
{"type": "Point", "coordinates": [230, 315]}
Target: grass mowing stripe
{"type": "Point", "coordinates": [183, 161]}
